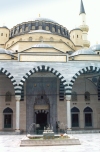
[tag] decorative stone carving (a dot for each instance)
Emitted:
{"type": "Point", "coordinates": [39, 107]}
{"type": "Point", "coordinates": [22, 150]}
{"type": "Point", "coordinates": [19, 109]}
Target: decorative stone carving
{"type": "Point", "coordinates": [17, 97]}
{"type": "Point", "coordinates": [68, 97]}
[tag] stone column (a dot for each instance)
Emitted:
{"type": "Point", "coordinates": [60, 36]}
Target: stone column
{"type": "Point", "coordinates": [68, 99]}
{"type": "Point", "coordinates": [17, 97]}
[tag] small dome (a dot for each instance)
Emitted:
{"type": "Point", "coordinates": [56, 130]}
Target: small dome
{"type": "Point", "coordinates": [44, 19]}
{"type": "Point", "coordinates": [42, 45]}
{"type": "Point", "coordinates": [39, 31]}
{"type": "Point", "coordinates": [95, 47]}
{"type": "Point", "coordinates": [3, 51]}
{"type": "Point", "coordinates": [76, 29]}
{"type": "Point", "coordinates": [4, 27]}
{"type": "Point", "coordinates": [83, 51]}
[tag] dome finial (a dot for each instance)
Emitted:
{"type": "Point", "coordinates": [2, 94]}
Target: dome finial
{"type": "Point", "coordinates": [82, 10]}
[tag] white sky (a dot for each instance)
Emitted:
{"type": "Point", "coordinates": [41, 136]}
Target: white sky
{"type": "Point", "coordinates": [65, 12]}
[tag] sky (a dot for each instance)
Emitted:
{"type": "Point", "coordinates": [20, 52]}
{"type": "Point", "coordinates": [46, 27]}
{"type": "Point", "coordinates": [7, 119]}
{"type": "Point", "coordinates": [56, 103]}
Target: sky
{"type": "Point", "coordinates": [65, 12]}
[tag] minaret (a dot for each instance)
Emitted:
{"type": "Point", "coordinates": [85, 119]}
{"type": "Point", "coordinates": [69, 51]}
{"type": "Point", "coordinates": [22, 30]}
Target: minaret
{"type": "Point", "coordinates": [83, 26]}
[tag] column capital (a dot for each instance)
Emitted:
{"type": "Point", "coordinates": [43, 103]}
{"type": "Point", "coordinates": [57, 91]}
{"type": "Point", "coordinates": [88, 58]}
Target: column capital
{"type": "Point", "coordinates": [17, 97]}
{"type": "Point", "coordinates": [68, 97]}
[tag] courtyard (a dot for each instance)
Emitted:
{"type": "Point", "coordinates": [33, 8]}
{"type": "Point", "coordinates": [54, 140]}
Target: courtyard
{"type": "Point", "coordinates": [89, 142]}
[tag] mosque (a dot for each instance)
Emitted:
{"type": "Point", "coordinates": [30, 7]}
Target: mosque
{"type": "Point", "coordinates": [49, 75]}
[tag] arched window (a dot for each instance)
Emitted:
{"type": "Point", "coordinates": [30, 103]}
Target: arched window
{"type": "Point", "coordinates": [1, 34]}
{"type": "Point", "coordinates": [40, 27]}
{"type": "Point", "coordinates": [30, 38]}
{"type": "Point", "coordinates": [8, 110]}
{"type": "Point", "coordinates": [33, 27]}
{"type": "Point", "coordinates": [41, 38]}
{"type": "Point", "coordinates": [74, 96]}
{"type": "Point", "coordinates": [97, 52]}
{"type": "Point", "coordinates": [87, 96]}
{"type": "Point", "coordinates": [75, 116]}
{"type": "Point", "coordinates": [73, 36]}
{"type": "Point", "coordinates": [47, 28]}
{"type": "Point", "coordinates": [77, 36]}
{"type": "Point", "coordinates": [6, 35]}
{"type": "Point", "coordinates": [51, 39]}
{"type": "Point", "coordinates": [8, 96]}
{"type": "Point", "coordinates": [53, 29]}
{"type": "Point", "coordinates": [88, 117]}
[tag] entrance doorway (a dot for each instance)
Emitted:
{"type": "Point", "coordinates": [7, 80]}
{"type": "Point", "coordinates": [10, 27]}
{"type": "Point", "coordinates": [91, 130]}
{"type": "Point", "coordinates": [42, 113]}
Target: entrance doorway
{"type": "Point", "coordinates": [7, 121]}
{"type": "Point", "coordinates": [75, 120]}
{"type": "Point", "coordinates": [75, 116]}
{"type": "Point", "coordinates": [41, 119]}
{"type": "Point", "coordinates": [8, 113]}
{"type": "Point", "coordinates": [88, 120]}
{"type": "Point", "coordinates": [88, 116]}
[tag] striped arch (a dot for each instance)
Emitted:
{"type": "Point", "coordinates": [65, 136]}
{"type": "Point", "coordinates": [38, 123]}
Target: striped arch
{"type": "Point", "coordinates": [39, 69]}
{"type": "Point", "coordinates": [92, 68]}
{"type": "Point", "coordinates": [9, 75]}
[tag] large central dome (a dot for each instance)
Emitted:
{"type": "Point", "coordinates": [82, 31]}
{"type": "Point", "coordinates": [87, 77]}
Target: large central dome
{"type": "Point", "coordinates": [38, 24]}
{"type": "Point", "coordinates": [44, 19]}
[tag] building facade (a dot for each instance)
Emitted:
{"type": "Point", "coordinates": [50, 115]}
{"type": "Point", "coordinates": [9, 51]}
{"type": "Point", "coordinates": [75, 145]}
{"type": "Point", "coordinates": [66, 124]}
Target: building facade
{"type": "Point", "coordinates": [49, 75]}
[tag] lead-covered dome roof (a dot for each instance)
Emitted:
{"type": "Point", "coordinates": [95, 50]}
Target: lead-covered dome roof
{"type": "Point", "coordinates": [3, 51]}
{"type": "Point", "coordinates": [39, 24]}
{"type": "Point", "coordinates": [83, 52]}
{"type": "Point", "coordinates": [44, 19]}
{"type": "Point", "coordinates": [95, 47]}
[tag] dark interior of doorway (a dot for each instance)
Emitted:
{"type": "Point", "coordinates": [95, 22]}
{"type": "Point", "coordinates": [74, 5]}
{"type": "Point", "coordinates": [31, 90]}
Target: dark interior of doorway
{"type": "Point", "coordinates": [41, 119]}
{"type": "Point", "coordinates": [7, 121]}
{"type": "Point", "coordinates": [75, 120]}
{"type": "Point", "coordinates": [88, 120]}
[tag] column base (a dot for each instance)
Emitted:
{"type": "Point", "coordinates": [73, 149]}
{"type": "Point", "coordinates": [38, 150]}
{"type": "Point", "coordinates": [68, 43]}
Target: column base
{"type": "Point", "coordinates": [69, 129]}
{"type": "Point", "coordinates": [17, 130]}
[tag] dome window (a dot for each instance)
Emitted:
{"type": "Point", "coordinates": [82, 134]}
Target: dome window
{"type": "Point", "coordinates": [51, 39]}
{"type": "Point", "coordinates": [53, 29]}
{"type": "Point", "coordinates": [40, 27]}
{"type": "Point", "coordinates": [30, 38]}
{"type": "Point", "coordinates": [77, 36]}
{"type": "Point", "coordinates": [47, 28]}
{"type": "Point", "coordinates": [1, 34]}
{"type": "Point", "coordinates": [59, 31]}
{"type": "Point", "coordinates": [20, 39]}
{"type": "Point", "coordinates": [73, 36]}
{"type": "Point", "coordinates": [33, 27]}
{"type": "Point", "coordinates": [6, 35]}
{"type": "Point", "coordinates": [26, 29]}
{"type": "Point", "coordinates": [41, 38]}
{"type": "Point", "coordinates": [20, 30]}
{"type": "Point", "coordinates": [12, 42]}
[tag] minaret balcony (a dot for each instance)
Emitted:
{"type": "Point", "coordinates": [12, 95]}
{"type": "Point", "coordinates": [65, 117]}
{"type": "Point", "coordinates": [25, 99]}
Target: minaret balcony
{"type": "Point", "coordinates": [84, 28]}
{"type": "Point", "coordinates": [86, 43]}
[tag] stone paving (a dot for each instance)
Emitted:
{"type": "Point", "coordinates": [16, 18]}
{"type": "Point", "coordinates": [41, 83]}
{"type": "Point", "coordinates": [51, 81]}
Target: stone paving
{"type": "Point", "coordinates": [89, 143]}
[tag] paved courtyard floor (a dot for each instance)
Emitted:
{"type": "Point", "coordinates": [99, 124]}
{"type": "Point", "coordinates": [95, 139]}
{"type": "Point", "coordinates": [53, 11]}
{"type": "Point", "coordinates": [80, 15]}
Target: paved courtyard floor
{"type": "Point", "coordinates": [89, 143]}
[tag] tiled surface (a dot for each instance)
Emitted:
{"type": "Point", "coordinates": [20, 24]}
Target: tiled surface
{"type": "Point", "coordinates": [89, 143]}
